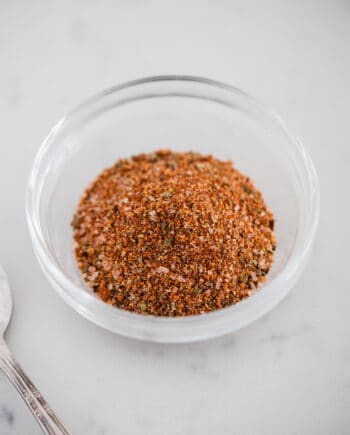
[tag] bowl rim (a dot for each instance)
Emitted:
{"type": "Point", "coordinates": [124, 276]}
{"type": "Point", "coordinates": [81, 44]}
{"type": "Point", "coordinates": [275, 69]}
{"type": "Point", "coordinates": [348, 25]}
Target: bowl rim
{"type": "Point", "coordinates": [86, 303]}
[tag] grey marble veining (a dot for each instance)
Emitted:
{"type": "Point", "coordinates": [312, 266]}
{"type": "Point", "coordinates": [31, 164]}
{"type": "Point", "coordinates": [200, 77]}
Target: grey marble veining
{"type": "Point", "coordinates": [287, 373]}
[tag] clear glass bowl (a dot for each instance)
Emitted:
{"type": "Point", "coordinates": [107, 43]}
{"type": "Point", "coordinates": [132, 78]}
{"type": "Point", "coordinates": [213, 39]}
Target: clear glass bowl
{"type": "Point", "coordinates": [180, 113]}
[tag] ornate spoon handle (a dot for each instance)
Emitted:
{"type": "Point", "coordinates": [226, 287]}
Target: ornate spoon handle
{"type": "Point", "coordinates": [44, 415]}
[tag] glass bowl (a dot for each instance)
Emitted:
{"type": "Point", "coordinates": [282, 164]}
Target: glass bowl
{"type": "Point", "coordinates": [180, 113]}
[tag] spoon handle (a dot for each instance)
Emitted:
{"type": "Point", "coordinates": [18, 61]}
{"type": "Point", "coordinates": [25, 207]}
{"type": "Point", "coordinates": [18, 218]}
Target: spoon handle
{"type": "Point", "coordinates": [44, 415]}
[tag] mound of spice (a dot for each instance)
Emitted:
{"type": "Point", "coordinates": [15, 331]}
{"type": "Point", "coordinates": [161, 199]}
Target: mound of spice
{"type": "Point", "coordinates": [173, 234]}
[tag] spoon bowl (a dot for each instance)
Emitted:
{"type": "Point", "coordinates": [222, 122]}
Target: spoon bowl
{"type": "Point", "coordinates": [6, 302]}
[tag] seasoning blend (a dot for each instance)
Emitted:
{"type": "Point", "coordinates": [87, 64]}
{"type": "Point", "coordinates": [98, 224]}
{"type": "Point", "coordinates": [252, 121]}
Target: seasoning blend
{"type": "Point", "coordinates": [173, 234]}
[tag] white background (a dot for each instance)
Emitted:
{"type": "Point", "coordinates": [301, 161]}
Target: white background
{"type": "Point", "coordinates": [287, 373]}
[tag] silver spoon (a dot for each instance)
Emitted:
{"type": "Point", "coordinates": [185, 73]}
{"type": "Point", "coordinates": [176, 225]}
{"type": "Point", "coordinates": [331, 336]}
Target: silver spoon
{"type": "Point", "coordinates": [44, 415]}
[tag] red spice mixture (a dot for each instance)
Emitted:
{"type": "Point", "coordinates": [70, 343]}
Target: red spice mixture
{"type": "Point", "coordinates": [173, 234]}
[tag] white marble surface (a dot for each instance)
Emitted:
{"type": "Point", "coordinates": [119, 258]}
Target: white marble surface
{"type": "Point", "coordinates": [287, 373]}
